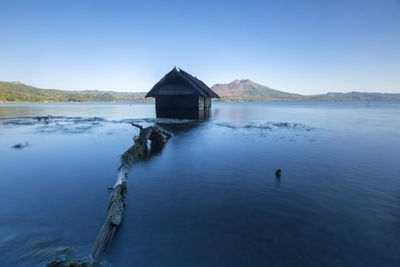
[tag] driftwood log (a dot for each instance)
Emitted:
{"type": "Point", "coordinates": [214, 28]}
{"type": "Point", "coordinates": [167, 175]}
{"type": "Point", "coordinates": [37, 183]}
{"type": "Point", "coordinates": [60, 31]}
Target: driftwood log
{"type": "Point", "coordinates": [116, 206]}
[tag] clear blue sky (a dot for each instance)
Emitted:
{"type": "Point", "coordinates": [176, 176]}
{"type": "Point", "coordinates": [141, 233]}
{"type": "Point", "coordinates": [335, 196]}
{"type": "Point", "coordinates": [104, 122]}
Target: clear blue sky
{"type": "Point", "coordinates": [296, 46]}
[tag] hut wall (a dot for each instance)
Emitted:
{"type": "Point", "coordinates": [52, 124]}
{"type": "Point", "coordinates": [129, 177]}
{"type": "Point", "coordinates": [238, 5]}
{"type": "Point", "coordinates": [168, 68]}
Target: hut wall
{"type": "Point", "coordinates": [177, 102]}
{"type": "Point", "coordinates": [201, 102]}
{"type": "Point", "coordinates": [204, 102]}
{"type": "Point", "coordinates": [182, 106]}
{"type": "Point", "coordinates": [207, 102]}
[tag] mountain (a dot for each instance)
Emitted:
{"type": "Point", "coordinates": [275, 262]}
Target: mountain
{"type": "Point", "coordinates": [19, 92]}
{"type": "Point", "coordinates": [247, 90]}
{"type": "Point", "coordinates": [238, 90]}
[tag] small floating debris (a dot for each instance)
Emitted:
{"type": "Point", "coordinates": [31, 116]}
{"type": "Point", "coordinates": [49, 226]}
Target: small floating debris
{"type": "Point", "coordinates": [43, 118]}
{"type": "Point", "coordinates": [278, 173]}
{"type": "Point", "coordinates": [20, 146]}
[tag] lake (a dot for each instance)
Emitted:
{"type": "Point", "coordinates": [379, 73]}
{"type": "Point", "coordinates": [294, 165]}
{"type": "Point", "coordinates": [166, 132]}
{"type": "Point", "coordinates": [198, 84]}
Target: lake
{"type": "Point", "coordinates": [210, 197]}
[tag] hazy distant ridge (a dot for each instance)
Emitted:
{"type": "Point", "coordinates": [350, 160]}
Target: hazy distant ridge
{"type": "Point", "coordinates": [18, 92]}
{"type": "Point", "coordinates": [357, 96]}
{"type": "Point", "coordinates": [238, 90]}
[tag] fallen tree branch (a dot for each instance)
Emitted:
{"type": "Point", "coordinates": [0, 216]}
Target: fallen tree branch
{"type": "Point", "coordinates": [116, 206]}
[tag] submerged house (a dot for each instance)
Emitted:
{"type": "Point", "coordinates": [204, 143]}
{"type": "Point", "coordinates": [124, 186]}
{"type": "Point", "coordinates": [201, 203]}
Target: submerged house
{"type": "Point", "coordinates": [181, 95]}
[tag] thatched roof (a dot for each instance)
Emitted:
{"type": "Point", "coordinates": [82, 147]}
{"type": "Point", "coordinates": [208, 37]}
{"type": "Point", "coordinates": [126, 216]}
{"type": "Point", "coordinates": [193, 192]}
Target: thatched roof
{"type": "Point", "coordinates": [187, 85]}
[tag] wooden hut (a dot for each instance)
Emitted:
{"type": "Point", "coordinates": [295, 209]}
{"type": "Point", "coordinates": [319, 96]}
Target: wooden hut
{"type": "Point", "coordinates": [180, 95]}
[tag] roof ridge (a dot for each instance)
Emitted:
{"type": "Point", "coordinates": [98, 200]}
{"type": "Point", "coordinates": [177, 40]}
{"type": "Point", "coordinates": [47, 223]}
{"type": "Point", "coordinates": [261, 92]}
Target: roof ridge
{"type": "Point", "coordinates": [196, 84]}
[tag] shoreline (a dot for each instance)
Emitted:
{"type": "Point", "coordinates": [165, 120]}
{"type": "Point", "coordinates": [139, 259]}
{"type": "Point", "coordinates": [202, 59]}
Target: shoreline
{"type": "Point", "coordinates": [215, 101]}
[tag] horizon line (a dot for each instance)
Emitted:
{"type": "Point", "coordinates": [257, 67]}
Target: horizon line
{"type": "Point", "coordinates": [245, 79]}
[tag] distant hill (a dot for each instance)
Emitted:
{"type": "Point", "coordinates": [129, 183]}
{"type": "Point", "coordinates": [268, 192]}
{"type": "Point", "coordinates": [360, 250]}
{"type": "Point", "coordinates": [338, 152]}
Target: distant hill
{"type": "Point", "coordinates": [247, 90]}
{"type": "Point", "coordinates": [356, 96]}
{"type": "Point", "coordinates": [18, 92]}
{"type": "Point", "coordinates": [238, 90]}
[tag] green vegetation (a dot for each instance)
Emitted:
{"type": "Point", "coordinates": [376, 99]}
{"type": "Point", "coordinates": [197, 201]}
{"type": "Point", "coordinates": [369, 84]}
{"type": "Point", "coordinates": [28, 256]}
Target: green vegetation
{"type": "Point", "coordinates": [18, 92]}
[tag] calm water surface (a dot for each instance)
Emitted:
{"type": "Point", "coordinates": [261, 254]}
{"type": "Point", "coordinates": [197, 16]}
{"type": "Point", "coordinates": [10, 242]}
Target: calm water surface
{"type": "Point", "coordinates": [210, 198]}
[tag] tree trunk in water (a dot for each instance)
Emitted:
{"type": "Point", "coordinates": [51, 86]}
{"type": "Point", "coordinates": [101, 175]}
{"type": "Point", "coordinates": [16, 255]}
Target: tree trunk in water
{"type": "Point", "coordinates": [116, 206]}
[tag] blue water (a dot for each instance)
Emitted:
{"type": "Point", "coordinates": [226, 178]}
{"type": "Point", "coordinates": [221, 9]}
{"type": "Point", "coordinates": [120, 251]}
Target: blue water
{"type": "Point", "coordinates": [210, 198]}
